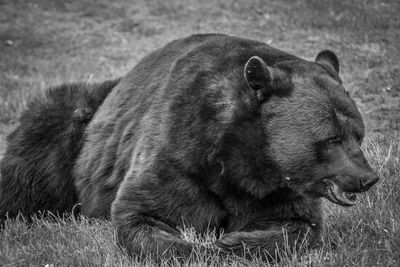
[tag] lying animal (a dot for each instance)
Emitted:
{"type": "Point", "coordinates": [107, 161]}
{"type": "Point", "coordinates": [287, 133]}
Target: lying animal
{"type": "Point", "coordinates": [210, 131]}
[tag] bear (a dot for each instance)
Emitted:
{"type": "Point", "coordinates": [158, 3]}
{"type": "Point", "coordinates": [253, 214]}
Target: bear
{"type": "Point", "coordinates": [211, 131]}
{"type": "Point", "coordinates": [36, 172]}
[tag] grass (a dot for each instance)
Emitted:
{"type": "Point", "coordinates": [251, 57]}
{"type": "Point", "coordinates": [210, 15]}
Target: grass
{"type": "Point", "coordinates": [44, 42]}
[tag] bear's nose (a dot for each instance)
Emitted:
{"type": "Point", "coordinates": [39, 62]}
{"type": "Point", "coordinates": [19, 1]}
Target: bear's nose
{"type": "Point", "coordinates": [367, 182]}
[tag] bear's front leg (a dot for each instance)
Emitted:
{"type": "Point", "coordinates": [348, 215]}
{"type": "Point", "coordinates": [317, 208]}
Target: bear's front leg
{"type": "Point", "coordinates": [144, 236]}
{"type": "Point", "coordinates": [270, 242]}
{"type": "Point", "coordinates": [147, 212]}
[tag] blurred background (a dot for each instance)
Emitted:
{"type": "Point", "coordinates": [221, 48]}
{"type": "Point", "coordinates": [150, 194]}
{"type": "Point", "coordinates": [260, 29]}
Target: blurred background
{"type": "Point", "coordinates": [49, 42]}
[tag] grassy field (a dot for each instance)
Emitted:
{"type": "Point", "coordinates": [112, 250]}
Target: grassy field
{"type": "Point", "coordinates": [47, 42]}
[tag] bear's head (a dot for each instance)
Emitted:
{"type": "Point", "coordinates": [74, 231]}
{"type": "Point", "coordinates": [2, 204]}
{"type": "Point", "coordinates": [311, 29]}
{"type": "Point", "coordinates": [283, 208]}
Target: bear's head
{"type": "Point", "coordinates": [313, 128]}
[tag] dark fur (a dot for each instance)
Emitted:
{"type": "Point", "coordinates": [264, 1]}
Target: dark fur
{"type": "Point", "coordinates": [36, 169]}
{"type": "Point", "coordinates": [185, 139]}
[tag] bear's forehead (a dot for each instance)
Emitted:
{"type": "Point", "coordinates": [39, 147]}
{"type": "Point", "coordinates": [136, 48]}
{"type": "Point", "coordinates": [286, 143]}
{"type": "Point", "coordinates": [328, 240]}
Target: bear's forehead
{"type": "Point", "coordinates": [323, 96]}
{"type": "Point", "coordinates": [316, 83]}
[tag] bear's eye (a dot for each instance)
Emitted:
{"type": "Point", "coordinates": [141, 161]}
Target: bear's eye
{"type": "Point", "coordinates": [334, 140]}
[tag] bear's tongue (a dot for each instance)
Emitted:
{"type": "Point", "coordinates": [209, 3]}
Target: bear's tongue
{"type": "Point", "coordinates": [337, 196]}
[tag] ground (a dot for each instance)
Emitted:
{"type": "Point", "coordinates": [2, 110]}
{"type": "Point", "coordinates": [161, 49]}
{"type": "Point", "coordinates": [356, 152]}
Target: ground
{"type": "Point", "coordinates": [44, 43]}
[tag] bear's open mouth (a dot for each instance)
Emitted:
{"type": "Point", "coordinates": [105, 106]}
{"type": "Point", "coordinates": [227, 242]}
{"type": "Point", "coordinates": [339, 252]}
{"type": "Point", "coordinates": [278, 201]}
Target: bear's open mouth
{"type": "Point", "coordinates": [337, 195]}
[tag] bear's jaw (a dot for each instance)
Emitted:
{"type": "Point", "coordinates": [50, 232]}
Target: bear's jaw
{"type": "Point", "coordinates": [336, 195]}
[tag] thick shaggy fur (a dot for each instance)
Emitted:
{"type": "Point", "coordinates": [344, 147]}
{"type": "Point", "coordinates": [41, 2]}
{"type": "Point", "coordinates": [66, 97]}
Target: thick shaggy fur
{"type": "Point", "coordinates": [197, 134]}
{"type": "Point", "coordinates": [36, 169]}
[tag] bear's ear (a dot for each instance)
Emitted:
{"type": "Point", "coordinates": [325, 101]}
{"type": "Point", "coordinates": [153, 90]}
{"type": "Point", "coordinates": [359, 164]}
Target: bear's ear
{"type": "Point", "coordinates": [329, 58]}
{"type": "Point", "coordinates": [262, 78]}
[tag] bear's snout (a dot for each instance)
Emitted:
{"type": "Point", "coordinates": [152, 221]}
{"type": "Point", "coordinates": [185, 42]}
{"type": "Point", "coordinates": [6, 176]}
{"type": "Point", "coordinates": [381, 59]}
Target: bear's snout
{"type": "Point", "coordinates": [368, 181]}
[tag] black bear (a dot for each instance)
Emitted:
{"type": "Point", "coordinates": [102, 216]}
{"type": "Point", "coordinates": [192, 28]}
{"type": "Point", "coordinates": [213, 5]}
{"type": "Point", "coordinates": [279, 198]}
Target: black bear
{"type": "Point", "coordinates": [210, 131]}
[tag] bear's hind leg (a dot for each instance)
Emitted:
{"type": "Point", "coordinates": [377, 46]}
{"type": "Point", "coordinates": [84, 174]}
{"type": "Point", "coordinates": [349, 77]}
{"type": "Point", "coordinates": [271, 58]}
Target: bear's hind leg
{"type": "Point", "coordinates": [36, 170]}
